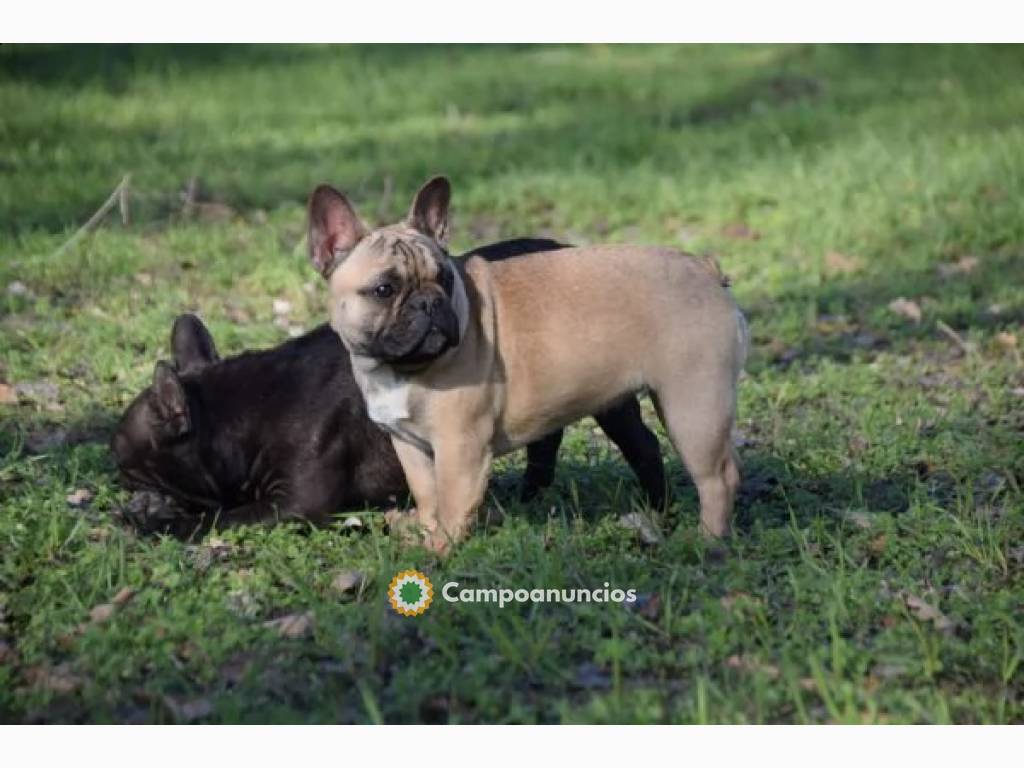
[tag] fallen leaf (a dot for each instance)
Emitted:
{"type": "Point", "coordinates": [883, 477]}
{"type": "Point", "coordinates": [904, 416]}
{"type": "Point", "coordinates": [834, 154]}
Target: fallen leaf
{"type": "Point", "coordinates": [66, 640]}
{"type": "Point", "coordinates": [144, 279]}
{"type": "Point", "coordinates": [906, 308]}
{"type": "Point", "coordinates": [840, 264]}
{"type": "Point", "coordinates": [293, 625]}
{"type": "Point", "coordinates": [963, 266]}
{"type": "Point", "coordinates": [41, 391]}
{"type": "Point", "coordinates": [352, 523]}
{"type": "Point", "coordinates": [1006, 340]}
{"type": "Point", "coordinates": [237, 314]}
{"type": "Point", "coordinates": [79, 497]}
{"type": "Point", "coordinates": [859, 519]}
{"type": "Point", "coordinates": [346, 581]}
{"type": "Point", "coordinates": [888, 671]}
{"type": "Point", "coordinates": [648, 532]}
{"type": "Point", "coordinates": [59, 679]}
{"type": "Point", "coordinates": [242, 602]}
{"type": "Point", "coordinates": [18, 288]}
{"type": "Point", "coordinates": [832, 324]}
{"type": "Point", "coordinates": [734, 599]}
{"type": "Point", "coordinates": [648, 606]}
{"type": "Point", "coordinates": [740, 231]}
{"type": "Point", "coordinates": [878, 545]}
{"type": "Point", "coordinates": [8, 395]}
{"type": "Point", "coordinates": [205, 555]}
{"type": "Point", "coordinates": [750, 664]}
{"type": "Point", "coordinates": [808, 684]}
{"type": "Point", "coordinates": [102, 612]}
{"type": "Point", "coordinates": [857, 445]}
{"type": "Point", "coordinates": [924, 611]}
{"type": "Point", "coordinates": [123, 596]}
{"type": "Point", "coordinates": [188, 710]}
{"type": "Point", "coordinates": [282, 307]}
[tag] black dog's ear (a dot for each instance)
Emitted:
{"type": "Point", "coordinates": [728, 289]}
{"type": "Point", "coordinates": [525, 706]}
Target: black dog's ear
{"type": "Point", "coordinates": [171, 403]}
{"type": "Point", "coordinates": [192, 345]}
{"type": "Point", "coordinates": [429, 212]}
{"type": "Point", "coordinates": [334, 228]}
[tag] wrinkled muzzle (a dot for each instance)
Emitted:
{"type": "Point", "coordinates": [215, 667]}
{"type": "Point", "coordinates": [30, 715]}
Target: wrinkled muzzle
{"type": "Point", "coordinates": [426, 327]}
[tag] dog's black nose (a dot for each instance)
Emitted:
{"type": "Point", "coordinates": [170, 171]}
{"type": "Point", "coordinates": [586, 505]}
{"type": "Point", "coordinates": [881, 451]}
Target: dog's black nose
{"type": "Point", "coordinates": [429, 303]}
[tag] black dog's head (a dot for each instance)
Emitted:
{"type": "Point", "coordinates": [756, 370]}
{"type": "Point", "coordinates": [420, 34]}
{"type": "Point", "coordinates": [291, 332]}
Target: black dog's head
{"type": "Point", "coordinates": [156, 445]}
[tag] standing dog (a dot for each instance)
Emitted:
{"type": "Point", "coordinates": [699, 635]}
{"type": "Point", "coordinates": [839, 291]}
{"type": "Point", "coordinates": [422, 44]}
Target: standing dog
{"type": "Point", "coordinates": [464, 361]}
{"type": "Point", "coordinates": [283, 433]}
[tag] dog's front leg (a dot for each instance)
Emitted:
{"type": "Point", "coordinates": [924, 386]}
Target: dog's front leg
{"type": "Point", "coordinates": [462, 468]}
{"type": "Point", "coordinates": [418, 467]}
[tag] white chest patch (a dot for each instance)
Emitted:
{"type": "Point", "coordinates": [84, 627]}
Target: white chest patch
{"type": "Point", "coordinates": [387, 399]}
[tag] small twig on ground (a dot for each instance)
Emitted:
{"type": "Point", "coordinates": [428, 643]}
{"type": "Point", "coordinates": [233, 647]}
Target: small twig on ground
{"type": "Point", "coordinates": [190, 197]}
{"type": "Point", "coordinates": [383, 206]}
{"type": "Point", "coordinates": [116, 198]}
{"type": "Point", "coordinates": [122, 201]}
{"type": "Point", "coordinates": [955, 337]}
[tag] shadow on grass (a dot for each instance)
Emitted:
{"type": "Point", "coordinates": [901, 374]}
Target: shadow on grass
{"type": "Point", "coordinates": [592, 135]}
{"type": "Point", "coordinates": [113, 67]}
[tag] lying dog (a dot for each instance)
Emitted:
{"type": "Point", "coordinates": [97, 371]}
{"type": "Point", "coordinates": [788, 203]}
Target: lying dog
{"type": "Point", "coordinates": [462, 361]}
{"type": "Point", "coordinates": [284, 434]}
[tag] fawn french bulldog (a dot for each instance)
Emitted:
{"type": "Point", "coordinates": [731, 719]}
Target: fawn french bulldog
{"type": "Point", "coordinates": [283, 433]}
{"type": "Point", "coordinates": [462, 361]}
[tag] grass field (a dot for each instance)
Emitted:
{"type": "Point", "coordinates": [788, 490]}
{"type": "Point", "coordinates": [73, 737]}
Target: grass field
{"type": "Point", "coordinates": [877, 574]}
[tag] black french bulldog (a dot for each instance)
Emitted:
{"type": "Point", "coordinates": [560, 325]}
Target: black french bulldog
{"type": "Point", "coordinates": [283, 433]}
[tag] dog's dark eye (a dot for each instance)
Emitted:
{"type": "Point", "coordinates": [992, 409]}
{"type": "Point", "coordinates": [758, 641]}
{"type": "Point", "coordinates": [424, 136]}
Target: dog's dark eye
{"type": "Point", "coordinates": [384, 291]}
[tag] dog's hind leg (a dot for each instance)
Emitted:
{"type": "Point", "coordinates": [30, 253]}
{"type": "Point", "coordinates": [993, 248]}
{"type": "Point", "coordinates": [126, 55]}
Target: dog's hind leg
{"type": "Point", "coordinates": [625, 427]}
{"type": "Point", "coordinates": [541, 457]}
{"type": "Point", "coordinates": [698, 416]}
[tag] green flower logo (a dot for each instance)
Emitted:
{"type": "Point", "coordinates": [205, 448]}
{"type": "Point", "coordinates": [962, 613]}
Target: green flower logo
{"type": "Point", "coordinates": [410, 593]}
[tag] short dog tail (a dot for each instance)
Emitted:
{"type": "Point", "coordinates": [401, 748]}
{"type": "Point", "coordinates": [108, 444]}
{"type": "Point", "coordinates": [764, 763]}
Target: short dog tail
{"type": "Point", "coordinates": [710, 263]}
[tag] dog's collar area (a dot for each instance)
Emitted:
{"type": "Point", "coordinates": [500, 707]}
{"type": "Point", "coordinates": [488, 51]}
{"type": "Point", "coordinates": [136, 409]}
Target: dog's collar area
{"type": "Point", "coordinates": [460, 301]}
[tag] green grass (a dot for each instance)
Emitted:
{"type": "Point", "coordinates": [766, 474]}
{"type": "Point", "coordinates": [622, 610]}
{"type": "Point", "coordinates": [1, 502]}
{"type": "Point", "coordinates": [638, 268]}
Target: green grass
{"type": "Point", "coordinates": [883, 462]}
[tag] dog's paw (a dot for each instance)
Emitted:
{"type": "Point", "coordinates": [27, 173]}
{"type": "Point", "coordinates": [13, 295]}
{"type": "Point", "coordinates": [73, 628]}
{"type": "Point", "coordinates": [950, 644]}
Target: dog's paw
{"type": "Point", "coordinates": [395, 517]}
{"type": "Point", "coordinates": [407, 527]}
{"type": "Point", "coordinates": [438, 542]}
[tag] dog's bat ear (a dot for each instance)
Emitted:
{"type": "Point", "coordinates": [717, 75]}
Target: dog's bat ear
{"type": "Point", "coordinates": [334, 228]}
{"type": "Point", "coordinates": [192, 345]}
{"type": "Point", "coordinates": [429, 212]}
{"type": "Point", "coordinates": [171, 403]}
